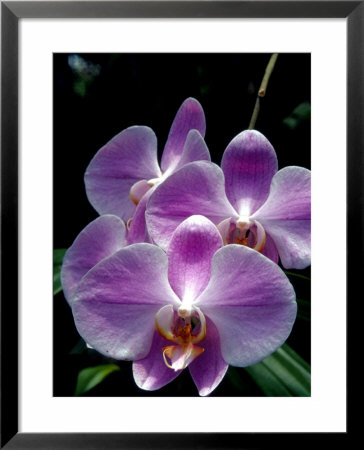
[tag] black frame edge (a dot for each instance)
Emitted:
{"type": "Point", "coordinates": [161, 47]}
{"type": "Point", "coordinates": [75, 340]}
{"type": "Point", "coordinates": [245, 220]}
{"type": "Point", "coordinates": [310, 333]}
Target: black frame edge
{"type": "Point", "coordinates": [10, 13]}
{"type": "Point", "coordinates": [355, 180]}
{"type": "Point", "coordinates": [9, 224]}
{"type": "Point", "coordinates": [183, 9]}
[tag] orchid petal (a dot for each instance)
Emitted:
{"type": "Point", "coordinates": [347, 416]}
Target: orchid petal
{"type": "Point", "coordinates": [209, 368]}
{"type": "Point", "coordinates": [129, 157]}
{"type": "Point", "coordinates": [100, 239]}
{"type": "Point", "coordinates": [249, 163]}
{"type": "Point", "coordinates": [189, 116]}
{"type": "Point", "coordinates": [151, 372]}
{"type": "Point", "coordinates": [195, 149]}
{"type": "Point", "coordinates": [190, 253]}
{"type": "Point", "coordinates": [196, 188]}
{"type": "Point", "coordinates": [117, 300]}
{"type": "Point", "coordinates": [286, 216]}
{"type": "Point", "coordinates": [251, 302]}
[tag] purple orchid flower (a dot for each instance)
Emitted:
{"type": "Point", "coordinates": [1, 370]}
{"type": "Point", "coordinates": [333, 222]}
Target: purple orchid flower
{"type": "Point", "coordinates": [249, 200]}
{"type": "Point", "coordinates": [122, 175]}
{"type": "Point", "coordinates": [99, 239]}
{"type": "Point", "coordinates": [202, 305]}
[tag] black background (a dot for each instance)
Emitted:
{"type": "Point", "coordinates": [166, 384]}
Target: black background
{"type": "Point", "coordinates": [115, 91]}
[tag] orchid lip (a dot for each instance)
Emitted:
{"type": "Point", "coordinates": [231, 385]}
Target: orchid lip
{"type": "Point", "coordinates": [138, 190]}
{"type": "Point", "coordinates": [154, 181]}
{"type": "Point", "coordinates": [181, 356]}
{"type": "Point", "coordinates": [243, 231]}
{"type": "Point", "coordinates": [142, 186]}
{"type": "Point", "coordinates": [185, 328]}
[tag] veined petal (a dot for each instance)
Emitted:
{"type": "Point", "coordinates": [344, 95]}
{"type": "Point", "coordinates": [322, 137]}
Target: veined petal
{"type": "Point", "coordinates": [100, 239]}
{"type": "Point", "coordinates": [116, 302]}
{"type": "Point", "coordinates": [151, 372]}
{"type": "Point", "coordinates": [286, 216]}
{"type": "Point", "coordinates": [190, 252]}
{"type": "Point", "coordinates": [251, 302]}
{"type": "Point", "coordinates": [209, 368]}
{"type": "Point", "coordinates": [190, 116]}
{"type": "Point", "coordinates": [129, 157]}
{"type": "Point", "coordinates": [195, 149]}
{"type": "Point", "coordinates": [196, 188]}
{"type": "Point", "coordinates": [249, 163]}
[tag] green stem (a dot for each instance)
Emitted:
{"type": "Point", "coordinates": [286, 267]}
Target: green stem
{"type": "Point", "coordinates": [263, 89]}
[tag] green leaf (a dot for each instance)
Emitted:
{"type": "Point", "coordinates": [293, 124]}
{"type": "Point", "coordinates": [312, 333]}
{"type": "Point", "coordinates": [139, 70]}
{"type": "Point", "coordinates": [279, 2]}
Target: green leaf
{"type": "Point", "coordinates": [301, 113]}
{"type": "Point", "coordinates": [304, 309]}
{"type": "Point", "coordinates": [79, 348]}
{"type": "Point", "coordinates": [92, 376]}
{"type": "Point", "coordinates": [239, 380]}
{"type": "Point", "coordinates": [297, 275]}
{"type": "Point", "coordinates": [282, 374]}
{"type": "Point", "coordinates": [58, 255]}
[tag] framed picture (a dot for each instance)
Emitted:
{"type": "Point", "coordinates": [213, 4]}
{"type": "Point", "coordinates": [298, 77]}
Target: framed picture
{"type": "Point", "coordinates": [79, 73]}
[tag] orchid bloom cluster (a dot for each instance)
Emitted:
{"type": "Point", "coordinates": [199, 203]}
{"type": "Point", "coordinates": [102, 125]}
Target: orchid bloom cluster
{"type": "Point", "coordinates": [181, 267]}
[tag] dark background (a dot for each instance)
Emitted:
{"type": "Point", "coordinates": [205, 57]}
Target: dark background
{"type": "Point", "coordinates": [98, 95]}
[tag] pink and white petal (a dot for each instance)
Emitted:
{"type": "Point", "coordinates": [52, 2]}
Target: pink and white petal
{"type": "Point", "coordinates": [195, 149]}
{"type": "Point", "coordinates": [270, 249]}
{"type": "Point", "coordinates": [196, 188]}
{"type": "Point", "coordinates": [151, 372]}
{"type": "Point", "coordinates": [293, 242]}
{"type": "Point", "coordinates": [127, 158]}
{"type": "Point", "coordinates": [249, 163]}
{"type": "Point", "coordinates": [100, 239]}
{"type": "Point", "coordinates": [286, 216]}
{"type": "Point", "coordinates": [190, 116]}
{"type": "Point", "coordinates": [116, 301]}
{"type": "Point", "coordinates": [251, 302]}
{"type": "Point", "coordinates": [190, 252]}
{"type": "Point", "coordinates": [208, 369]}
{"type": "Point", "coordinates": [138, 229]}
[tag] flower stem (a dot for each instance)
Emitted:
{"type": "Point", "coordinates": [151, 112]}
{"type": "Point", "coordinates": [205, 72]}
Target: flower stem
{"type": "Point", "coordinates": [263, 89]}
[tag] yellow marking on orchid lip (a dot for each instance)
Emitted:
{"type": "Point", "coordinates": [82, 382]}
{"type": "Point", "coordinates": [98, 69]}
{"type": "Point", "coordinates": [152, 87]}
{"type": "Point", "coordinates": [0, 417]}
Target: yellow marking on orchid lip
{"type": "Point", "coordinates": [180, 330]}
{"type": "Point", "coordinates": [262, 245]}
{"type": "Point", "coordinates": [133, 199]}
{"type": "Point", "coordinates": [260, 237]}
{"type": "Point", "coordinates": [187, 352]}
{"type": "Point", "coordinates": [168, 350]}
{"type": "Point", "coordinates": [184, 332]}
{"type": "Point", "coordinates": [167, 334]}
{"type": "Point", "coordinates": [128, 223]}
{"type": "Point", "coordinates": [241, 241]}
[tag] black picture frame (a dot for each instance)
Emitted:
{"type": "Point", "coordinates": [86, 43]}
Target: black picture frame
{"type": "Point", "coordinates": [11, 12]}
